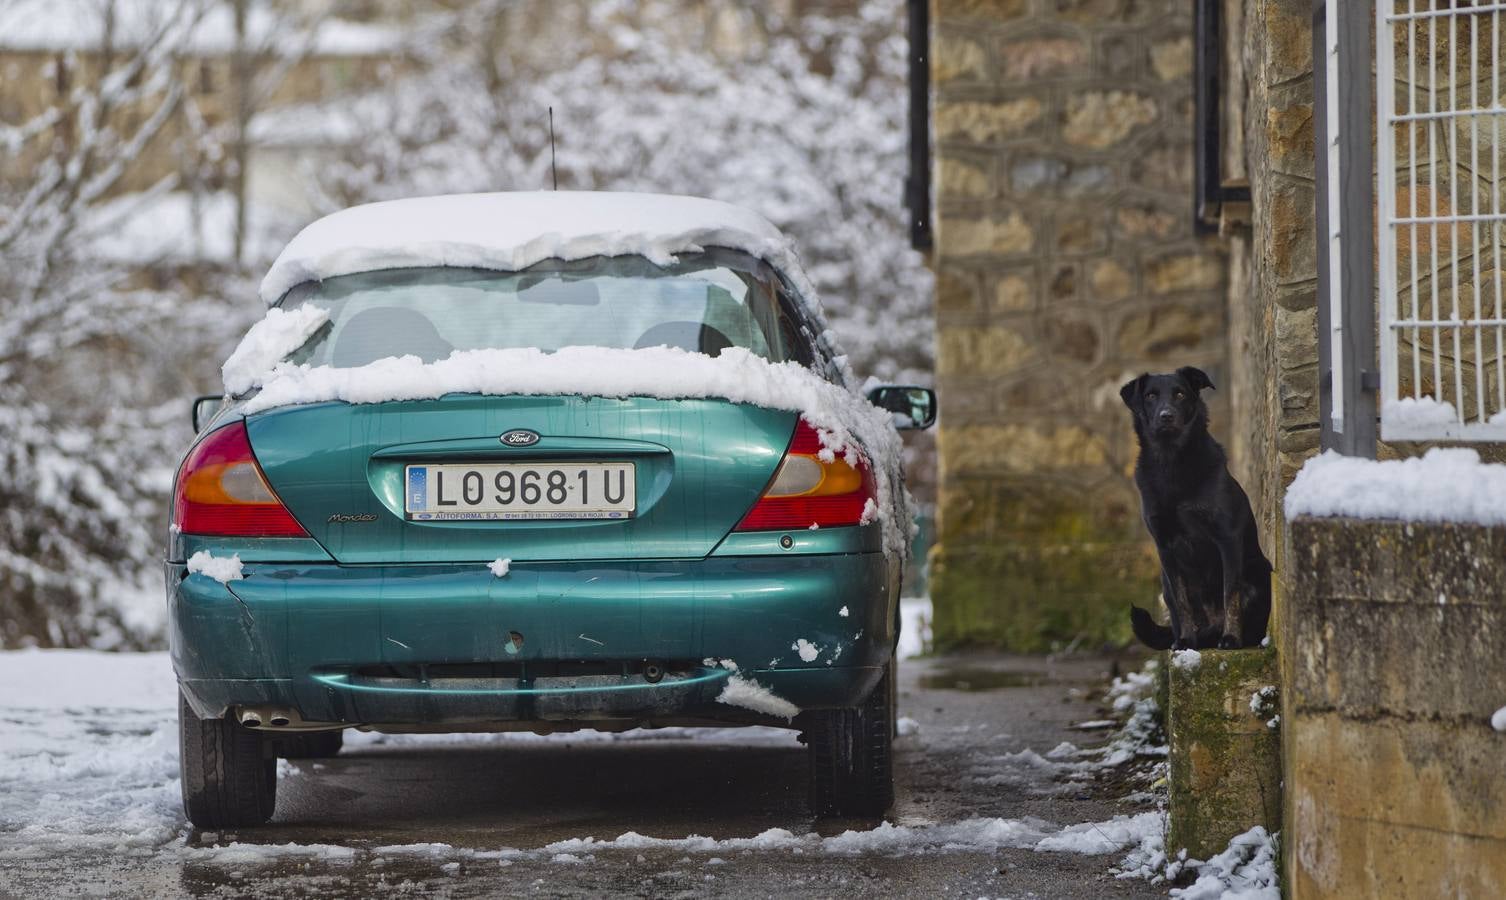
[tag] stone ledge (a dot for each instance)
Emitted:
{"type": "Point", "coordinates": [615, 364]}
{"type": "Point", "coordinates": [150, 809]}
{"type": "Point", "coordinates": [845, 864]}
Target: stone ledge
{"type": "Point", "coordinates": [1225, 757]}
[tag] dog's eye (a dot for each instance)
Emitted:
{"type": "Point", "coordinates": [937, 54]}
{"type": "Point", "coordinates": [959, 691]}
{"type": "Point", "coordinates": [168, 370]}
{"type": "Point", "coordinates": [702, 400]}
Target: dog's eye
{"type": "Point", "coordinates": [1179, 395]}
{"type": "Point", "coordinates": [1151, 395]}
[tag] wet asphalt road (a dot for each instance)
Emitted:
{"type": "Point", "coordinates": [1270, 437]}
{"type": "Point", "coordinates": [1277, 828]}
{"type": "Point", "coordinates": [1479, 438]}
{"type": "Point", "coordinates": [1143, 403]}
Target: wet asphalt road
{"type": "Point", "coordinates": [486, 794]}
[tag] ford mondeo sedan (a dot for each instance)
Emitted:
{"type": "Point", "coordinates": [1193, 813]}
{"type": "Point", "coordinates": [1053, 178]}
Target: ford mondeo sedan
{"type": "Point", "coordinates": [537, 462]}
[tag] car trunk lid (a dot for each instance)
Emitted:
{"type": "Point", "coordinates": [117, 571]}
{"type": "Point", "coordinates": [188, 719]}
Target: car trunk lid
{"type": "Point", "coordinates": [344, 470]}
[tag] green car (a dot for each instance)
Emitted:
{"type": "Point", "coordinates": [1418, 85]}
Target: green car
{"type": "Point", "coordinates": [539, 462]}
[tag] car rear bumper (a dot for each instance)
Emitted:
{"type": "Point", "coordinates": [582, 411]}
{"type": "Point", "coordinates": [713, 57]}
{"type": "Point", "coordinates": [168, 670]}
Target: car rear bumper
{"type": "Point", "coordinates": [550, 642]}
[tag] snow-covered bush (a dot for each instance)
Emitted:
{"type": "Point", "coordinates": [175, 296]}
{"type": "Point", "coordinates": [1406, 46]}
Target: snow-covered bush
{"type": "Point", "coordinates": [95, 359]}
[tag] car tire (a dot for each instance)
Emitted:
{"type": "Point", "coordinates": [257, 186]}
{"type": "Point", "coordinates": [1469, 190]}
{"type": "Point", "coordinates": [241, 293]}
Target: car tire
{"type": "Point", "coordinates": [851, 755]}
{"type": "Point", "coordinates": [314, 745]}
{"type": "Point", "coordinates": [229, 776]}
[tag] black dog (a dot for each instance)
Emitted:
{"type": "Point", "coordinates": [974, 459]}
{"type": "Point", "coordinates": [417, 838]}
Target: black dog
{"type": "Point", "coordinates": [1216, 581]}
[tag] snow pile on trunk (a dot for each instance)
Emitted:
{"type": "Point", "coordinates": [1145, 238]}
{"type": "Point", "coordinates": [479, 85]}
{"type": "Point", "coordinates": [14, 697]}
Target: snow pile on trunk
{"type": "Point", "coordinates": [276, 336]}
{"type": "Point", "coordinates": [512, 231]}
{"type": "Point", "coordinates": [223, 569]}
{"type": "Point", "coordinates": [847, 422]}
{"type": "Point", "coordinates": [1444, 485]}
{"type": "Point", "coordinates": [500, 567]}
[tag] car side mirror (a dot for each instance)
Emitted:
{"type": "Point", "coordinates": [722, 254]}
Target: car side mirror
{"type": "Point", "coordinates": [913, 407]}
{"type": "Point", "coordinates": [204, 408]}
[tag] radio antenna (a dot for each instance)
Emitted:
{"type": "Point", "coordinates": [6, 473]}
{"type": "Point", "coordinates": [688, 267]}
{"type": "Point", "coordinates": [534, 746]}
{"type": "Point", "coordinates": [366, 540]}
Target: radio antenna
{"type": "Point", "coordinates": [553, 167]}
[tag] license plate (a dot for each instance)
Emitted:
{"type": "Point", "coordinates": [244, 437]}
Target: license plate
{"type": "Point", "coordinates": [542, 490]}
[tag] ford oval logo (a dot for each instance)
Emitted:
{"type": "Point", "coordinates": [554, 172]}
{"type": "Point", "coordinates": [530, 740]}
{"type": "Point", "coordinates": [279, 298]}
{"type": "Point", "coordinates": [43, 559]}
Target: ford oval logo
{"type": "Point", "coordinates": [520, 437]}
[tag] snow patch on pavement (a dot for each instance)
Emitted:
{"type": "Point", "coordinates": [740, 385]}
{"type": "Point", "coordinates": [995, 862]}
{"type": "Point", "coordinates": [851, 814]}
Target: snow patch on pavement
{"type": "Point", "coordinates": [1498, 719]}
{"type": "Point", "coordinates": [237, 853]}
{"type": "Point", "coordinates": [1246, 870]}
{"type": "Point", "coordinates": [1066, 768]}
{"type": "Point", "coordinates": [88, 751]}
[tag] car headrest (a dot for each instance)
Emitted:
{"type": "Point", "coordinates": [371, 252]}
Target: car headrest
{"type": "Point", "coordinates": [384, 331]}
{"type": "Point", "coordinates": [696, 337]}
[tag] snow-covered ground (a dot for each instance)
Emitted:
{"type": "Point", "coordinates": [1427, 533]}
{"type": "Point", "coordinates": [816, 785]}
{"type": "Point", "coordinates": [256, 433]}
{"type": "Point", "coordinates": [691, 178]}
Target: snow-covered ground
{"type": "Point", "coordinates": [88, 765]}
{"type": "Point", "coordinates": [89, 747]}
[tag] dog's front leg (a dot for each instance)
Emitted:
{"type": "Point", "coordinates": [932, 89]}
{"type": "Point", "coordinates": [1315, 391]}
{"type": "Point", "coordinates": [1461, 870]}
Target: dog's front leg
{"type": "Point", "coordinates": [1231, 557]}
{"type": "Point", "coordinates": [1183, 622]}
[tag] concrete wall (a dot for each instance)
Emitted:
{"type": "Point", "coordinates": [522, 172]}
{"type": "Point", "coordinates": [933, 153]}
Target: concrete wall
{"type": "Point", "coordinates": [1394, 663]}
{"type": "Point", "coordinates": [1066, 263]}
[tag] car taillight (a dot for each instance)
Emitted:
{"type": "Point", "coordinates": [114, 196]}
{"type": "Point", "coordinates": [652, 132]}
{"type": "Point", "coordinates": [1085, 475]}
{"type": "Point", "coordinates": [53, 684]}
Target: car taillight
{"type": "Point", "coordinates": [221, 491]}
{"type": "Point", "coordinates": [808, 491]}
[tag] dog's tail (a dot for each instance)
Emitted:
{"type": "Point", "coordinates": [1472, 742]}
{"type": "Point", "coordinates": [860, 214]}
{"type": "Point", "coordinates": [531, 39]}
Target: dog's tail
{"type": "Point", "coordinates": [1156, 637]}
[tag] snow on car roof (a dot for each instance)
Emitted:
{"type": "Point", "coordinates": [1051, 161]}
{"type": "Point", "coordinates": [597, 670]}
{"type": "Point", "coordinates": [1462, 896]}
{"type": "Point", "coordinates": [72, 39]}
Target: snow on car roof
{"type": "Point", "coordinates": [511, 231]}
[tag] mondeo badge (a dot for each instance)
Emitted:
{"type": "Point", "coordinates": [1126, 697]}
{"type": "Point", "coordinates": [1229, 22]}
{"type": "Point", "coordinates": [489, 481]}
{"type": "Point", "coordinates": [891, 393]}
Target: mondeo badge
{"type": "Point", "coordinates": [520, 437]}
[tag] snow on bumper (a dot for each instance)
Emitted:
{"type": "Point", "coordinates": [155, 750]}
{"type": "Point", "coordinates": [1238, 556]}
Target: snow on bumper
{"type": "Point", "coordinates": [453, 644]}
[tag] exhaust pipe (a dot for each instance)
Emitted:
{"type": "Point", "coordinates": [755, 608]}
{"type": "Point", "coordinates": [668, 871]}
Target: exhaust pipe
{"type": "Point", "coordinates": [653, 672]}
{"type": "Point", "coordinates": [274, 716]}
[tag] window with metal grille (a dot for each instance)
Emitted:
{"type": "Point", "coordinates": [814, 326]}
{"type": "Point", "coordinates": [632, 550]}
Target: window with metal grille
{"type": "Point", "coordinates": [1441, 202]}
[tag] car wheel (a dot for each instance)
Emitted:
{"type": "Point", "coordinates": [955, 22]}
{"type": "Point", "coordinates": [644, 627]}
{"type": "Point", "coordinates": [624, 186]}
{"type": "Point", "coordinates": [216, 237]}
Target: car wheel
{"type": "Point", "coordinates": [851, 755]}
{"type": "Point", "coordinates": [314, 745]}
{"type": "Point", "coordinates": [229, 777]}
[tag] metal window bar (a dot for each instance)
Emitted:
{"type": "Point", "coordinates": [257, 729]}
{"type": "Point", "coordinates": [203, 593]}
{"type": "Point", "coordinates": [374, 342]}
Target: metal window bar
{"type": "Point", "coordinates": [1439, 71]}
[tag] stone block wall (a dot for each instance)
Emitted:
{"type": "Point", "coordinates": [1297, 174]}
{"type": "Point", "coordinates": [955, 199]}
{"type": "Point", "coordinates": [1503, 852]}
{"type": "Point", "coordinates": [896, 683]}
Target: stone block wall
{"type": "Point", "coordinates": [1393, 667]}
{"type": "Point", "coordinates": [1066, 263]}
{"type": "Point", "coordinates": [1273, 309]}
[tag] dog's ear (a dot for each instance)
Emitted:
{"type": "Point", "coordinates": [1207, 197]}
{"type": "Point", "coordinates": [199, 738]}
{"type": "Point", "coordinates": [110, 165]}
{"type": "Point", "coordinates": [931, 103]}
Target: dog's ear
{"type": "Point", "coordinates": [1195, 377]}
{"type": "Point", "coordinates": [1130, 393]}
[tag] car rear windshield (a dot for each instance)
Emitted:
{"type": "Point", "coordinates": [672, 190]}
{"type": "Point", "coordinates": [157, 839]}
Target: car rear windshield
{"type": "Point", "coordinates": [704, 303]}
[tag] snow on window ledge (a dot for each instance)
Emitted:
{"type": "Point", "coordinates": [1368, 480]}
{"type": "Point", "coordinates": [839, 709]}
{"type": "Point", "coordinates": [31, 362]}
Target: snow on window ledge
{"type": "Point", "coordinates": [1444, 485]}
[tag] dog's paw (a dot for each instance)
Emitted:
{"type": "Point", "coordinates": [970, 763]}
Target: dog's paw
{"type": "Point", "coordinates": [1228, 642]}
{"type": "Point", "coordinates": [1182, 644]}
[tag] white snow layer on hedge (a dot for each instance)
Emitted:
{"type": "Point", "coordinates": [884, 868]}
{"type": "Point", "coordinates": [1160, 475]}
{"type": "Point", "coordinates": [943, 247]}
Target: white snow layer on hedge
{"type": "Point", "coordinates": [276, 336]}
{"type": "Point", "coordinates": [1444, 485]}
{"type": "Point", "coordinates": [514, 230]}
{"type": "Point", "coordinates": [845, 420]}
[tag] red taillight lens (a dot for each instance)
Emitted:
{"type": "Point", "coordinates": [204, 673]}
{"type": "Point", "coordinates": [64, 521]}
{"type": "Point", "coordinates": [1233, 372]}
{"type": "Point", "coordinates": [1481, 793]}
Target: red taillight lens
{"type": "Point", "coordinates": [221, 491]}
{"type": "Point", "coordinates": [808, 491]}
